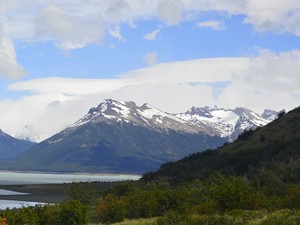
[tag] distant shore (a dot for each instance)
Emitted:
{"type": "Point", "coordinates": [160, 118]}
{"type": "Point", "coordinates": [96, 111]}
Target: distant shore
{"type": "Point", "coordinates": [46, 193]}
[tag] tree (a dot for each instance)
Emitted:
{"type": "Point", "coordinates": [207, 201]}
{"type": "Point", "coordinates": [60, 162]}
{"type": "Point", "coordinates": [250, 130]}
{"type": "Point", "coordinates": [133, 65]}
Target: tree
{"type": "Point", "coordinates": [281, 114]}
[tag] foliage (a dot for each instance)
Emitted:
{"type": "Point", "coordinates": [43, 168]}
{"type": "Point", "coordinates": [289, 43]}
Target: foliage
{"type": "Point", "coordinates": [255, 180]}
{"type": "Point", "coordinates": [281, 113]}
{"type": "Point", "coordinates": [3, 221]}
{"type": "Point", "coordinates": [272, 149]}
{"type": "Point", "coordinates": [262, 217]}
{"type": "Point", "coordinates": [81, 192]}
{"type": "Point", "coordinates": [67, 213]}
{"type": "Point", "coordinates": [112, 209]}
{"type": "Point", "coordinates": [72, 212]}
{"type": "Point", "coordinates": [230, 193]}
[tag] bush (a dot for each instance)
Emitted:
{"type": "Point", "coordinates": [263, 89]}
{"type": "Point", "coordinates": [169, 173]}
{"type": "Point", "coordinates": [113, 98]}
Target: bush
{"type": "Point", "coordinates": [230, 193]}
{"type": "Point", "coordinates": [3, 221]}
{"type": "Point", "coordinates": [111, 210]}
{"type": "Point", "coordinates": [73, 212]}
{"type": "Point", "coordinates": [293, 197]}
{"type": "Point", "coordinates": [47, 214]}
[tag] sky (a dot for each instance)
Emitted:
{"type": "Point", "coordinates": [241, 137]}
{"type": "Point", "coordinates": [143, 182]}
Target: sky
{"type": "Point", "coordinates": [60, 58]}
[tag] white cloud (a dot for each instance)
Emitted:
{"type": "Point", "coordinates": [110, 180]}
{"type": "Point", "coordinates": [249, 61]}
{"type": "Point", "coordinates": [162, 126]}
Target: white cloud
{"type": "Point", "coordinates": [68, 87]}
{"type": "Point", "coordinates": [152, 35]}
{"type": "Point", "coordinates": [258, 82]}
{"type": "Point", "coordinates": [280, 16]}
{"type": "Point", "coordinates": [151, 58]}
{"type": "Point", "coordinates": [68, 31]}
{"type": "Point", "coordinates": [7, 4]}
{"type": "Point", "coordinates": [64, 22]}
{"type": "Point", "coordinates": [212, 24]}
{"type": "Point", "coordinates": [171, 11]}
{"type": "Point", "coordinates": [267, 81]}
{"type": "Point", "coordinates": [272, 81]}
{"type": "Point", "coordinates": [9, 68]}
{"type": "Point", "coordinates": [116, 33]}
{"type": "Point", "coordinates": [169, 97]}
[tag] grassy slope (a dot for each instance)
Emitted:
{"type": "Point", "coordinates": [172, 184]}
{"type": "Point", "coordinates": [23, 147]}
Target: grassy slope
{"type": "Point", "coordinates": [237, 217]}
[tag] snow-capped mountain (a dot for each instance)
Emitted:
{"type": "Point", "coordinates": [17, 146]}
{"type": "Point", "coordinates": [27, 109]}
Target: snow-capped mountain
{"type": "Point", "coordinates": [221, 122]}
{"type": "Point", "coordinates": [119, 136]}
{"type": "Point", "coordinates": [269, 114]}
{"type": "Point", "coordinates": [224, 122]}
{"type": "Point", "coordinates": [111, 111]}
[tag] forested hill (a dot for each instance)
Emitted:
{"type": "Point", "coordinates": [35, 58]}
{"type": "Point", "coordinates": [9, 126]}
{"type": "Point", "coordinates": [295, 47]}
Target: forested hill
{"type": "Point", "coordinates": [274, 148]}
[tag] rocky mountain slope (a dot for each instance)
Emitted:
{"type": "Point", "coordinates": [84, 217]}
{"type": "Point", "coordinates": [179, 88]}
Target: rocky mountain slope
{"type": "Point", "coordinates": [10, 146]}
{"type": "Point", "coordinates": [224, 122]}
{"type": "Point", "coordinates": [116, 137]}
{"type": "Point", "coordinates": [119, 136]}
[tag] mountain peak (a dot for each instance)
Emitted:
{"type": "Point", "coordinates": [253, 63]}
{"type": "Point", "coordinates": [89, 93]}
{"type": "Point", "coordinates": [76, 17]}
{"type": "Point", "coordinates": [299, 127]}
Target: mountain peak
{"type": "Point", "coordinates": [269, 114]}
{"type": "Point", "coordinates": [215, 121]}
{"type": "Point", "coordinates": [241, 110]}
{"type": "Point", "coordinates": [113, 111]}
{"type": "Point", "coordinates": [224, 122]}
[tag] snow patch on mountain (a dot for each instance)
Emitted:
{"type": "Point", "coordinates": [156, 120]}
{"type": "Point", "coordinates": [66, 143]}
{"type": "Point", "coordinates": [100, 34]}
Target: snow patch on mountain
{"type": "Point", "coordinates": [222, 122]}
{"type": "Point", "coordinates": [112, 111]}
{"type": "Point", "coordinates": [225, 122]}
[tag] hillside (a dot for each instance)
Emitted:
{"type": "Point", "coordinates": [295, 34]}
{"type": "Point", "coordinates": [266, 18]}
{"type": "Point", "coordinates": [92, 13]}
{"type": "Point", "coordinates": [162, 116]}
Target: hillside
{"type": "Point", "coordinates": [10, 146]}
{"type": "Point", "coordinates": [274, 146]}
{"type": "Point", "coordinates": [116, 137]}
{"type": "Point", "coordinates": [122, 137]}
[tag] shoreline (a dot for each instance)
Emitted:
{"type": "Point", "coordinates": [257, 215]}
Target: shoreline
{"type": "Point", "coordinates": [47, 193]}
{"type": "Point", "coordinates": [54, 187]}
{"type": "Point", "coordinates": [22, 178]}
{"type": "Point", "coordinates": [71, 173]}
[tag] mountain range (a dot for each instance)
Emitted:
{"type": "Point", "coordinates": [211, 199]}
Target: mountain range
{"type": "Point", "coordinates": [119, 136]}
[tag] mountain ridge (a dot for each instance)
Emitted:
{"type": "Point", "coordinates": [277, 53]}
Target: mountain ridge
{"type": "Point", "coordinates": [10, 146]}
{"type": "Point", "coordinates": [212, 123]}
{"type": "Point", "coordinates": [118, 136]}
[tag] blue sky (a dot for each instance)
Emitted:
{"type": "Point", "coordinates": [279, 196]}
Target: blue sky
{"type": "Point", "coordinates": [58, 59]}
{"type": "Point", "coordinates": [184, 41]}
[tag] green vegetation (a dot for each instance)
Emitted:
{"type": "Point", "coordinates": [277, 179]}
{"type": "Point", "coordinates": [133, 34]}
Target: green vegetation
{"type": "Point", "coordinates": [71, 212]}
{"type": "Point", "coordinates": [255, 180]}
{"type": "Point", "coordinates": [273, 148]}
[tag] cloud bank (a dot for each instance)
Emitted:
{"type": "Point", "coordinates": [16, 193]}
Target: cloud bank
{"type": "Point", "coordinates": [268, 80]}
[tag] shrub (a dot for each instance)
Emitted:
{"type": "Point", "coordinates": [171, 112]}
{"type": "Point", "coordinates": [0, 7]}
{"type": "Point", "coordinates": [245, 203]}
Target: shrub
{"type": "Point", "coordinates": [3, 221]}
{"type": "Point", "coordinates": [111, 210]}
{"type": "Point", "coordinates": [231, 193]}
{"type": "Point", "coordinates": [73, 212]}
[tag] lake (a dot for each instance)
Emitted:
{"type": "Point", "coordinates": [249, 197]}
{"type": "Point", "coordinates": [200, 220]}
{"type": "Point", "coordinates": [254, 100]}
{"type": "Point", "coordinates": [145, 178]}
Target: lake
{"type": "Point", "coordinates": [4, 204]}
{"type": "Point", "coordinates": [17, 178]}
